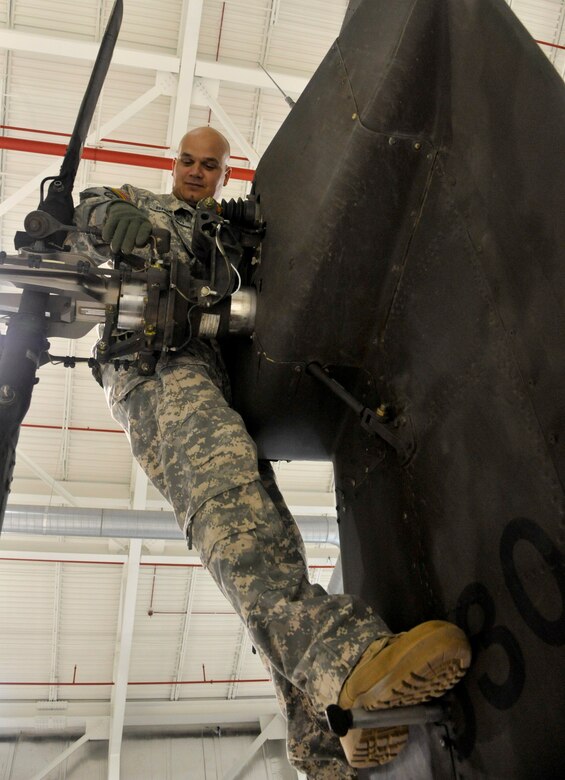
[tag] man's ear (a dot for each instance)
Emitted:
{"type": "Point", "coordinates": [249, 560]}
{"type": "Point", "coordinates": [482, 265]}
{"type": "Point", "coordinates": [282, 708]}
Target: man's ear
{"type": "Point", "coordinates": [174, 165]}
{"type": "Point", "coordinates": [227, 175]}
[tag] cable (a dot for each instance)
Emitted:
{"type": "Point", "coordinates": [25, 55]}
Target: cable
{"type": "Point", "coordinates": [183, 345]}
{"type": "Point", "coordinates": [236, 272]}
{"type": "Point", "coordinates": [229, 266]}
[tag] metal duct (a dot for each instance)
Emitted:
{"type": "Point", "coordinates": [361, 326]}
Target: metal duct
{"type": "Point", "coordinates": [74, 521]}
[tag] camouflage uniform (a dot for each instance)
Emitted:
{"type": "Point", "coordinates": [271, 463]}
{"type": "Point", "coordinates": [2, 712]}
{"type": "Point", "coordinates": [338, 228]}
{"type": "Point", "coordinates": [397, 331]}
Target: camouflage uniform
{"type": "Point", "coordinates": [195, 449]}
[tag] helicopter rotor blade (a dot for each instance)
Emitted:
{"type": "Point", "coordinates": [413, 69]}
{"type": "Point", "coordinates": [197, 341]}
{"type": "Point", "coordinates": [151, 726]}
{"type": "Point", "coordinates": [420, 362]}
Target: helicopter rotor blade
{"type": "Point", "coordinates": [71, 160]}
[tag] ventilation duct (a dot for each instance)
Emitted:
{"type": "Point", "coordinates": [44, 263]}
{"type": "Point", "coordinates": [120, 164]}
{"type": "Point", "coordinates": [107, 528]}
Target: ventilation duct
{"type": "Point", "coordinates": [131, 524]}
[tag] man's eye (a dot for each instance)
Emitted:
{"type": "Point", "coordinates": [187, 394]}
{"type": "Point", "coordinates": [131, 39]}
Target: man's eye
{"type": "Point", "coordinates": [210, 166]}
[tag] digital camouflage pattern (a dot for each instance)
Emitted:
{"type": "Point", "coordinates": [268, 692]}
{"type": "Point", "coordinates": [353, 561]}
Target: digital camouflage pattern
{"type": "Point", "coordinates": [195, 449]}
{"type": "Point", "coordinates": [164, 211]}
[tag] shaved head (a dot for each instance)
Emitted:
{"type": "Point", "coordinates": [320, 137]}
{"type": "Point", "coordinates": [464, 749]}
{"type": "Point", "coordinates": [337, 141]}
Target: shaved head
{"type": "Point", "coordinates": [201, 167]}
{"type": "Point", "coordinates": [206, 133]}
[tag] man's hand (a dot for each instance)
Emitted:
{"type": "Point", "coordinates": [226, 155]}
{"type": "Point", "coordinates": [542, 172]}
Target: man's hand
{"type": "Point", "coordinates": [125, 227]}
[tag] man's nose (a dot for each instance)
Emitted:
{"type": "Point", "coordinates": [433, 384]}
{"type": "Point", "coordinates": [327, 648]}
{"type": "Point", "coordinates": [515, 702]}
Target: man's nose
{"type": "Point", "coordinates": [196, 170]}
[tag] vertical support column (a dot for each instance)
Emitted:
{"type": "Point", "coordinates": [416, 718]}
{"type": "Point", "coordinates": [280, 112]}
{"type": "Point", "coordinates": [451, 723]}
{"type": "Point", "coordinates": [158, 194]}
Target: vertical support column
{"type": "Point", "coordinates": [122, 658]}
{"type": "Point", "coordinates": [188, 48]}
{"type": "Point", "coordinates": [139, 484]}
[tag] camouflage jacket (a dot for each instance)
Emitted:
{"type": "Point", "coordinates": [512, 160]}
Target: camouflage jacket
{"type": "Point", "coordinates": [164, 211]}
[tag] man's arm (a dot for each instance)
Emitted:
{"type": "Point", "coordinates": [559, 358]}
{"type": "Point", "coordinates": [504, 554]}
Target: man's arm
{"type": "Point", "coordinates": [123, 226]}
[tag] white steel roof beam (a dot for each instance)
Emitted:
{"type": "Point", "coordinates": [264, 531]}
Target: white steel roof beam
{"type": "Point", "coordinates": [558, 34]}
{"type": "Point", "coordinates": [252, 77]}
{"type": "Point", "coordinates": [163, 84]}
{"type": "Point", "coordinates": [243, 647]}
{"type": "Point", "coordinates": [122, 658]}
{"type": "Point", "coordinates": [267, 38]}
{"type": "Point", "coordinates": [67, 413]}
{"type": "Point", "coordinates": [17, 40]}
{"type": "Point", "coordinates": [229, 125]}
{"type": "Point", "coordinates": [275, 730]}
{"type": "Point", "coordinates": [139, 714]}
{"type": "Point", "coordinates": [188, 45]}
{"type": "Point", "coordinates": [58, 556]}
{"type": "Point", "coordinates": [61, 757]}
{"type": "Point", "coordinates": [177, 689]}
{"type": "Point", "coordinates": [48, 479]}
{"type": "Point", "coordinates": [53, 690]}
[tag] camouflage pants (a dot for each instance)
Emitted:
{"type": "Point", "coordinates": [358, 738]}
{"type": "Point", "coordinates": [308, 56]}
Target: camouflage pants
{"type": "Point", "coordinates": [197, 452]}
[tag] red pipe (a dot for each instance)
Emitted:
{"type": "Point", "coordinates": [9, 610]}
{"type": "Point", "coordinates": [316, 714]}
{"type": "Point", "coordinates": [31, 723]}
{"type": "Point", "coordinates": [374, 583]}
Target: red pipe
{"type": "Point", "coordinates": [218, 49]}
{"type": "Point", "coordinates": [71, 428]}
{"type": "Point", "coordinates": [68, 135]}
{"type": "Point", "coordinates": [108, 140]}
{"type": "Point", "coordinates": [221, 31]}
{"type": "Point", "coordinates": [120, 563]}
{"type": "Point", "coordinates": [105, 155]}
{"type": "Point", "coordinates": [150, 682]}
{"type": "Point", "coordinates": [553, 45]}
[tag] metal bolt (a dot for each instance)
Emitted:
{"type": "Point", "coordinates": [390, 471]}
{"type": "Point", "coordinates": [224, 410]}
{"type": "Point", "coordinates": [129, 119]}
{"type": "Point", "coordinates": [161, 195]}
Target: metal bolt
{"type": "Point", "coordinates": [392, 141]}
{"type": "Point", "coordinates": [205, 292]}
{"type": "Point", "coordinates": [145, 366]}
{"type": "Point", "coordinates": [355, 116]}
{"type": "Point", "coordinates": [417, 146]}
{"type": "Point", "coordinates": [102, 346]}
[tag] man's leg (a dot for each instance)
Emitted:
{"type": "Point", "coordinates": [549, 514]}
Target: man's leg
{"type": "Point", "coordinates": [197, 451]}
{"type": "Point", "coordinates": [312, 748]}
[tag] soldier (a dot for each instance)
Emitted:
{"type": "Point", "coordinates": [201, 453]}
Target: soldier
{"type": "Point", "coordinates": [320, 648]}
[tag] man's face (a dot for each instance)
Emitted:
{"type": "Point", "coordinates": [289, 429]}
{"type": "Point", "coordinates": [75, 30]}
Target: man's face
{"type": "Point", "coordinates": [200, 169]}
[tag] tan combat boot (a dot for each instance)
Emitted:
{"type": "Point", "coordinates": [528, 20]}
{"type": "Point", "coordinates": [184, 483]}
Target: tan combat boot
{"type": "Point", "coordinates": [396, 671]}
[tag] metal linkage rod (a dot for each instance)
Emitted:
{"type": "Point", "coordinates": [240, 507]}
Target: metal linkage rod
{"type": "Point", "coordinates": [340, 720]}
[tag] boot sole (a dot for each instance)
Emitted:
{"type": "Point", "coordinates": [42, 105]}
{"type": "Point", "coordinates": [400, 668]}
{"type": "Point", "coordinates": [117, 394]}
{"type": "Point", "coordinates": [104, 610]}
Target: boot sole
{"type": "Point", "coordinates": [365, 748]}
{"type": "Point", "coordinates": [422, 664]}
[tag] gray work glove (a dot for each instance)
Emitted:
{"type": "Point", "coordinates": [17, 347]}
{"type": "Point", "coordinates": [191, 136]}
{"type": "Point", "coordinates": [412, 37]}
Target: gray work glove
{"type": "Point", "coordinates": [125, 227]}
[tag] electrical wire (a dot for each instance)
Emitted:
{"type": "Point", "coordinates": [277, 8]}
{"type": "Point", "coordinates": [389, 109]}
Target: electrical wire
{"type": "Point", "coordinates": [236, 272]}
{"type": "Point", "coordinates": [183, 345]}
{"type": "Point", "coordinates": [229, 266]}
